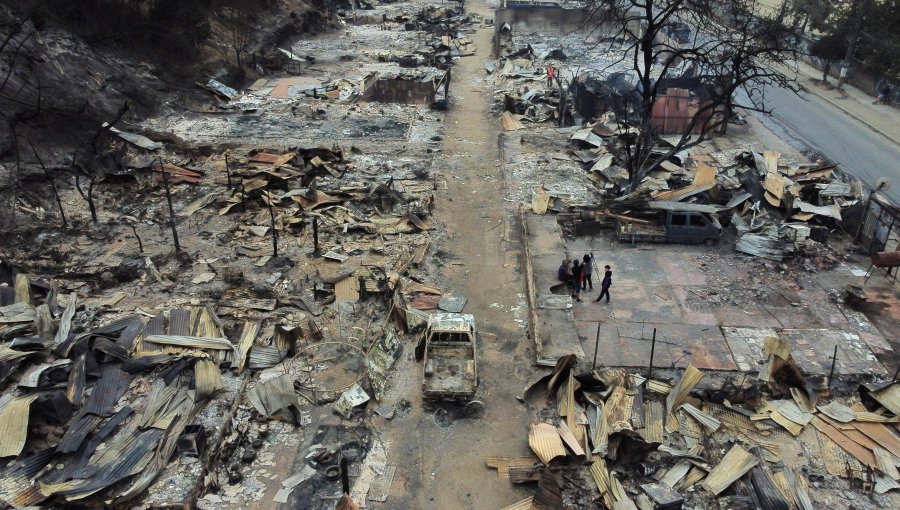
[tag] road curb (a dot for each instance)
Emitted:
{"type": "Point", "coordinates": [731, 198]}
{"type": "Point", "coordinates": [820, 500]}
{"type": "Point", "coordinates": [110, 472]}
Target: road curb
{"type": "Point", "coordinates": [812, 90]}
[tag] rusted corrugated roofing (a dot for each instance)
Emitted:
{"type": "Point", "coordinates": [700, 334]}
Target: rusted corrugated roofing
{"type": "Point", "coordinates": [654, 419]}
{"type": "Point", "coordinates": [545, 442]}
{"type": "Point", "coordinates": [878, 433]}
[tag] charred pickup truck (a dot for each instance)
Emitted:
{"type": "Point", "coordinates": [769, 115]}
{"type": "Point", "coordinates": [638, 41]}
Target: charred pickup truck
{"type": "Point", "coordinates": [684, 227]}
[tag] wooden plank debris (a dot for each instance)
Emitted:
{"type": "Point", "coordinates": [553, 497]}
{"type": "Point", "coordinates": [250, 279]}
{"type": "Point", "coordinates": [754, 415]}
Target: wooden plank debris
{"type": "Point", "coordinates": [735, 464]}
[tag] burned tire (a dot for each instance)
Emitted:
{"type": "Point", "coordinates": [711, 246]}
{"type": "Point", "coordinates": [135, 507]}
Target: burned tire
{"type": "Point", "coordinates": [474, 409]}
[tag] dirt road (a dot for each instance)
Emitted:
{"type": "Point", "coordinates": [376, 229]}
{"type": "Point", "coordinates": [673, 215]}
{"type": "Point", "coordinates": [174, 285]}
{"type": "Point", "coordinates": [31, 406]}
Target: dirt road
{"type": "Point", "coordinates": [443, 466]}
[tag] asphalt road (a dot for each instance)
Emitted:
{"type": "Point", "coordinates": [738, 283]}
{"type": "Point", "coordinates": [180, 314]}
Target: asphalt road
{"type": "Point", "coordinates": [811, 124]}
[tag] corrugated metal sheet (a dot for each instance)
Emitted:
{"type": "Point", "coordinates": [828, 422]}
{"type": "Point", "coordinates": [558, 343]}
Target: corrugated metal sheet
{"type": "Point", "coordinates": [694, 475]}
{"type": "Point", "coordinates": [180, 322]}
{"type": "Point", "coordinates": [836, 460]}
{"type": "Point", "coordinates": [704, 419]}
{"type": "Point", "coordinates": [77, 382]}
{"type": "Point", "coordinates": [618, 410]}
{"type": "Point", "coordinates": [146, 361]}
{"type": "Point", "coordinates": [503, 464]}
{"type": "Point", "coordinates": [65, 323]}
{"type": "Point", "coordinates": [569, 438]}
{"type": "Point", "coordinates": [676, 473]}
{"type": "Point", "coordinates": [689, 379]}
{"type": "Point", "coordinates": [14, 425]}
{"type": "Point", "coordinates": [130, 333]}
{"type": "Point", "coordinates": [32, 377]}
{"type": "Point", "coordinates": [132, 458]}
{"type": "Point", "coordinates": [263, 356]}
{"type": "Point", "coordinates": [248, 335]}
{"type": "Point", "coordinates": [859, 452]}
{"type": "Point", "coordinates": [599, 429]}
{"type": "Point", "coordinates": [155, 326]}
{"type": "Point", "coordinates": [207, 378]}
{"type": "Point", "coordinates": [767, 492]}
{"type": "Point", "coordinates": [799, 489]}
{"type": "Point", "coordinates": [7, 354]}
{"type": "Point", "coordinates": [654, 418]}
{"type": "Point", "coordinates": [601, 477]}
{"type": "Point", "coordinates": [23, 289]}
{"type": "Point", "coordinates": [525, 504]}
{"type": "Point", "coordinates": [735, 464]}
{"type": "Point", "coordinates": [107, 391]}
{"type": "Point", "coordinates": [545, 442]}
{"type": "Point", "coordinates": [889, 397]}
{"type": "Point", "coordinates": [77, 431]}
{"type": "Point", "coordinates": [207, 324]}
{"type": "Point", "coordinates": [878, 433]}
{"type": "Point", "coordinates": [191, 341]}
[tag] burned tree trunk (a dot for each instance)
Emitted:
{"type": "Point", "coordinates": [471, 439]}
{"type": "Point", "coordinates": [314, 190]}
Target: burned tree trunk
{"type": "Point", "coordinates": [62, 213]}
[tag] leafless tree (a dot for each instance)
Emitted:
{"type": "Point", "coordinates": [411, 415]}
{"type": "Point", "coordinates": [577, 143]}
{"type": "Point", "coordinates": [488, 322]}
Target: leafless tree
{"type": "Point", "coordinates": [52, 181]}
{"type": "Point", "coordinates": [235, 17]}
{"type": "Point", "coordinates": [731, 56]}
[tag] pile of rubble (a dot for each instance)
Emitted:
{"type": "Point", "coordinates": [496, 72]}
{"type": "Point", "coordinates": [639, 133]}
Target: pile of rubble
{"type": "Point", "coordinates": [621, 440]}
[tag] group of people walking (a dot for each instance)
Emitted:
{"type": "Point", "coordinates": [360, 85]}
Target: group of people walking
{"type": "Point", "coordinates": [579, 276]}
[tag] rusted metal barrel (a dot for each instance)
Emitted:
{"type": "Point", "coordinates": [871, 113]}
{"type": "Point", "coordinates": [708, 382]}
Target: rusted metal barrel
{"type": "Point", "coordinates": [886, 259]}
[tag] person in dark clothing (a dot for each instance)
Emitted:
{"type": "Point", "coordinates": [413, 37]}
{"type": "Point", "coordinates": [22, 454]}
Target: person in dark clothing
{"type": "Point", "coordinates": [564, 273]}
{"type": "Point", "coordinates": [605, 285]}
{"type": "Point", "coordinates": [883, 94]}
{"type": "Point", "coordinates": [587, 269]}
{"type": "Point", "coordinates": [576, 280]}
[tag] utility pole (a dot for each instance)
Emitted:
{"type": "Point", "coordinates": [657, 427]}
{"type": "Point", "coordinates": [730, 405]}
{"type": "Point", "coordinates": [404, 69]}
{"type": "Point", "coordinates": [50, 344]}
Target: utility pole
{"type": "Point", "coordinates": [859, 9]}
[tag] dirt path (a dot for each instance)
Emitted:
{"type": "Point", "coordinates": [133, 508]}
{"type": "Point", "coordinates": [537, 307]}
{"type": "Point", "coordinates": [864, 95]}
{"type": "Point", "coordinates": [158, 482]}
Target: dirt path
{"type": "Point", "coordinates": [443, 466]}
